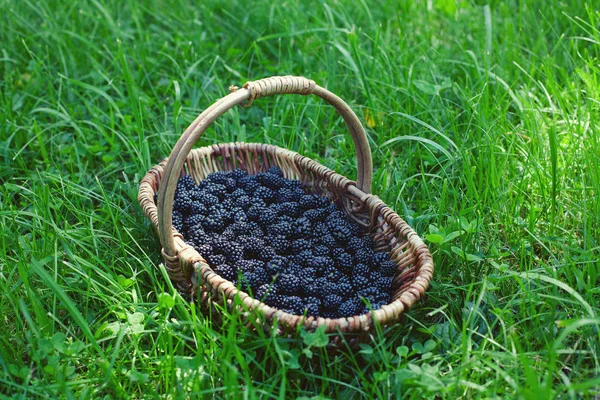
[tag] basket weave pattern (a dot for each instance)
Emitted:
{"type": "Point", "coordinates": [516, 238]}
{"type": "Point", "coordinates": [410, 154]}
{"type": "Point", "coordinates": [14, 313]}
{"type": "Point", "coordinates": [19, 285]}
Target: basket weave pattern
{"type": "Point", "coordinates": [192, 275]}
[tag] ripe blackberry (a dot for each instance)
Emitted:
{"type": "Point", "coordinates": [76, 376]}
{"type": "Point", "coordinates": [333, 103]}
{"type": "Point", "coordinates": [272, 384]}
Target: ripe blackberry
{"type": "Point", "coordinates": [332, 302]}
{"type": "Point", "coordinates": [178, 221]}
{"type": "Point", "coordinates": [275, 170]}
{"type": "Point", "coordinates": [332, 274]}
{"type": "Point", "coordinates": [217, 177]}
{"type": "Point", "coordinates": [226, 271]}
{"type": "Point", "coordinates": [329, 241]}
{"type": "Point", "coordinates": [263, 291]}
{"type": "Point", "coordinates": [259, 277]}
{"type": "Point", "coordinates": [183, 202]}
{"type": "Point", "coordinates": [359, 282]}
{"type": "Point", "coordinates": [339, 230]}
{"type": "Point", "coordinates": [267, 217]}
{"type": "Point", "coordinates": [197, 208]}
{"type": "Point", "coordinates": [204, 249]}
{"type": "Point", "coordinates": [271, 181]}
{"type": "Point", "coordinates": [249, 184]}
{"type": "Point", "coordinates": [267, 253]}
{"type": "Point", "coordinates": [363, 256]}
{"type": "Point", "coordinates": [293, 268]}
{"type": "Point", "coordinates": [387, 268]}
{"type": "Point", "coordinates": [186, 182]}
{"type": "Point", "coordinates": [275, 300]}
{"type": "Point", "coordinates": [350, 307]}
{"type": "Point", "coordinates": [321, 251]}
{"type": "Point", "coordinates": [300, 245]}
{"type": "Point", "coordinates": [276, 265]}
{"type": "Point", "coordinates": [216, 259]}
{"type": "Point", "coordinates": [280, 228]}
{"type": "Point", "coordinates": [232, 251]}
{"type": "Point", "coordinates": [253, 246]}
{"type": "Point", "coordinates": [374, 276]}
{"type": "Point", "coordinates": [345, 262]}
{"type": "Point", "coordinates": [291, 209]}
{"type": "Point", "coordinates": [384, 284]}
{"type": "Point", "coordinates": [360, 270]}
{"type": "Point", "coordinates": [288, 195]}
{"type": "Point", "coordinates": [302, 227]}
{"type": "Point", "coordinates": [219, 191]}
{"type": "Point", "coordinates": [244, 202]}
{"type": "Point", "coordinates": [315, 215]}
{"type": "Point", "coordinates": [293, 305]}
{"type": "Point", "coordinates": [289, 284]}
{"type": "Point", "coordinates": [312, 305]}
{"type": "Point", "coordinates": [303, 258]}
{"type": "Point", "coordinates": [238, 174]}
{"type": "Point", "coordinates": [308, 202]}
{"type": "Point", "coordinates": [280, 243]}
{"type": "Point", "coordinates": [254, 212]}
{"type": "Point", "coordinates": [321, 264]}
{"type": "Point", "coordinates": [265, 194]}
{"type": "Point", "coordinates": [379, 258]}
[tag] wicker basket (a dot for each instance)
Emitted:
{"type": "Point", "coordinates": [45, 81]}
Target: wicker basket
{"type": "Point", "coordinates": [192, 275]}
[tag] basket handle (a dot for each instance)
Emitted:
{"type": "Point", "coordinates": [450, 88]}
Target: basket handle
{"type": "Point", "coordinates": [245, 96]}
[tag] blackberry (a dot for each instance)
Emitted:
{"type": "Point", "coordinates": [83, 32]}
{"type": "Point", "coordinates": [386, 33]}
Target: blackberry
{"type": "Point", "coordinates": [186, 182]}
{"type": "Point", "coordinates": [360, 270]}
{"type": "Point", "coordinates": [244, 202]}
{"type": "Point", "coordinates": [197, 208]}
{"type": "Point", "coordinates": [344, 262]}
{"type": "Point", "coordinates": [293, 305]}
{"type": "Point", "coordinates": [291, 209]}
{"type": "Point", "coordinates": [332, 302]}
{"type": "Point", "coordinates": [288, 195]}
{"type": "Point", "coordinates": [321, 264]}
{"type": "Point", "coordinates": [315, 215]}
{"type": "Point", "coordinates": [232, 251]}
{"type": "Point", "coordinates": [216, 259]}
{"type": "Point", "coordinates": [253, 247]}
{"type": "Point", "coordinates": [276, 265]}
{"type": "Point", "coordinates": [219, 191]}
{"type": "Point", "coordinates": [329, 241]}
{"type": "Point", "coordinates": [270, 181]}
{"type": "Point", "coordinates": [300, 245]}
{"type": "Point", "coordinates": [265, 194]}
{"type": "Point", "coordinates": [230, 184]}
{"type": "Point", "coordinates": [263, 291]}
{"type": "Point", "coordinates": [302, 227]}
{"type": "Point", "coordinates": [255, 212]}
{"type": "Point", "coordinates": [374, 276]}
{"type": "Point", "coordinates": [226, 271]}
{"type": "Point", "coordinates": [304, 258]}
{"type": "Point", "coordinates": [236, 194]}
{"type": "Point", "coordinates": [280, 243]}
{"type": "Point", "coordinates": [308, 202]}
{"type": "Point", "coordinates": [321, 251]}
{"type": "Point", "coordinates": [218, 177]}
{"type": "Point", "coordinates": [359, 282]}
{"type": "Point", "coordinates": [267, 217]}
{"type": "Point", "coordinates": [289, 284]}
{"type": "Point", "coordinates": [339, 230]}
{"type": "Point", "coordinates": [362, 256]}
{"type": "Point", "coordinates": [275, 300]}
{"type": "Point", "coordinates": [238, 174]}
{"type": "Point", "coordinates": [294, 269]}
{"type": "Point", "coordinates": [177, 221]}
{"type": "Point", "coordinates": [387, 268]}
{"type": "Point", "coordinates": [350, 307]}
{"type": "Point", "coordinates": [332, 274]}
{"type": "Point", "coordinates": [267, 253]}
{"type": "Point", "coordinates": [259, 277]}
{"type": "Point", "coordinates": [293, 184]}
{"type": "Point", "coordinates": [204, 249]}
{"type": "Point", "coordinates": [384, 284]}
{"type": "Point", "coordinates": [249, 184]}
{"type": "Point", "coordinates": [312, 305]}
{"type": "Point", "coordinates": [283, 228]}
{"type": "Point", "coordinates": [378, 258]}
{"type": "Point", "coordinates": [275, 170]}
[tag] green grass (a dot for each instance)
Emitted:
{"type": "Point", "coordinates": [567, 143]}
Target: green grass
{"type": "Point", "coordinates": [484, 123]}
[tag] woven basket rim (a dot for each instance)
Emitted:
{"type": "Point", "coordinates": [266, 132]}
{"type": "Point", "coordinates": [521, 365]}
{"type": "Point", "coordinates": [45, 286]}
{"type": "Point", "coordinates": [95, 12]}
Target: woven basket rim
{"type": "Point", "coordinates": [387, 314]}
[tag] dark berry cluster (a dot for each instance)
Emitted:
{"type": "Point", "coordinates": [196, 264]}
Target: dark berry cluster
{"type": "Point", "coordinates": [293, 250]}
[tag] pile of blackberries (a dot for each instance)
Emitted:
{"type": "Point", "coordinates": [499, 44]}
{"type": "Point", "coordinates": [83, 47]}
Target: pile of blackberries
{"type": "Point", "coordinates": [293, 250]}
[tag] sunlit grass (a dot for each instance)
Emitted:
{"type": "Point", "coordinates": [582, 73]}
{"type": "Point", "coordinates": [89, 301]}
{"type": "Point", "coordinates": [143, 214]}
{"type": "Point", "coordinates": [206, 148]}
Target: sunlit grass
{"type": "Point", "coordinates": [484, 127]}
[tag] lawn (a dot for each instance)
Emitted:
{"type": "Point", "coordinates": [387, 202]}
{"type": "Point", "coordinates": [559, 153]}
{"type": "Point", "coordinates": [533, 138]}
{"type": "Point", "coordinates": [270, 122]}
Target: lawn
{"type": "Point", "coordinates": [484, 123]}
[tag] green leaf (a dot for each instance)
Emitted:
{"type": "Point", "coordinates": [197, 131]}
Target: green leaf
{"type": "Point", "coordinates": [317, 338]}
{"type": "Point", "coordinates": [435, 238]}
{"type": "Point", "coordinates": [402, 351]}
{"type": "Point", "coordinates": [166, 301]}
